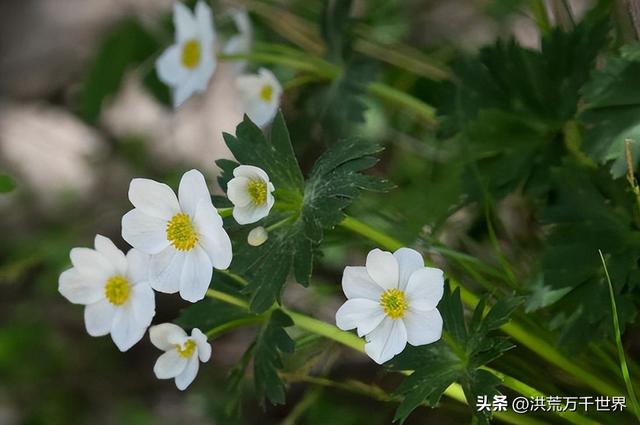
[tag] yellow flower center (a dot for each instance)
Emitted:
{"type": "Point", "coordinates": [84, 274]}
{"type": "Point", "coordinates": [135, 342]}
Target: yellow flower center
{"type": "Point", "coordinates": [393, 303]}
{"type": "Point", "coordinates": [257, 189]}
{"type": "Point", "coordinates": [181, 233]}
{"type": "Point", "coordinates": [191, 54]}
{"type": "Point", "coordinates": [266, 93]}
{"type": "Point", "coordinates": [117, 290]}
{"type": "Point", "coordinates": [186, 350]}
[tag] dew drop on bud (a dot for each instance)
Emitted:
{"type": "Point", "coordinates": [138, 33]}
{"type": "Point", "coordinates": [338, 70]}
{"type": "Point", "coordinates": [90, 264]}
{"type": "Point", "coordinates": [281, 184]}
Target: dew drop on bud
{"type": "Point", "coordinates": [257, 236]}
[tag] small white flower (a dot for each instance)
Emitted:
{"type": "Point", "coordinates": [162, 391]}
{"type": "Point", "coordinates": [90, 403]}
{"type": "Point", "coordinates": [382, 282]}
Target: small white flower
{"type": "Point", "coordinates": [183, 354]}
{"type": "Point", "coordinates": [114, 288]}
{"type": "Point", "coordinates": [257, 236]}
{"type": "Point", "coordinates": [185, 238]}
{"type": "Point", "coordinates": [392, 301]}
{"type": "Point", "coordinates": [259, 96]}
{"type": "Point", "coordinates": [189, 63]}
{"type": "Point", "coordinates": [240, 43]}
{"type": "Point", "coordinates": [250, 192]}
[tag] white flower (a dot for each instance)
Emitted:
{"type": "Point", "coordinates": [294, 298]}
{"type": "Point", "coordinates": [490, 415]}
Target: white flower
{"type": "Point", "coordinates": [185, 238]}
{"type": "Point", "coordinates": [250, 192]}
{"type": "Point", "coordinates": [114, 288]}
{"type": "Point", "coordinates": [259, 96]}
{"type": "Point", "coordinates": [240, 43]}
{"type": "Point", "coordinates": [183, 354]}
{"type": "Point", "coordinates": [392, 301]}
{"type": "Point", "coordinates": [189, 63]}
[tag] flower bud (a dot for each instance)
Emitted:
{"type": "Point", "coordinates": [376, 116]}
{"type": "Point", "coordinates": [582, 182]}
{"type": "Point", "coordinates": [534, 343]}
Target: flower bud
{"type": "Point", "coordinates": [257, 236]}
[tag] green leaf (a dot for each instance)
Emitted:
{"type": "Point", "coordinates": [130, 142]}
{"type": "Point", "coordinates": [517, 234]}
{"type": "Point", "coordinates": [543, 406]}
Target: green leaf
{"type": "Point", "coordinates": [308, 208]}
{"type": "Point", "coordinates": [270, 343]}
{"type": "Point", "coordinates": [126, 46]}
{"type": "Point", "coordinates": [7, 184]}
{"type": "Point", "coordinates": [458, 357]}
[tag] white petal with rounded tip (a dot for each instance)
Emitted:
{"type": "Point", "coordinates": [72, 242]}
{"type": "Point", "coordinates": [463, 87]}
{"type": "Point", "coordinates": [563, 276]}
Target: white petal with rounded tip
{"type": "Point", "coordinates": [237, 191]}
{"type": "Point", "coordinates": [409, 260]}
{"type": "Point", "coordinates": [186, 377]}
{"type": "Point", "coordinates": [383, 268]}
{"type": "Point", "coordinates": [387, 340]}
{"type": "Point", "coordinates": [250, 213]}
{"type": "Point", "coordinates": [213, 238]}
{"type": "Point", "coordinates": [184, 22]}
{"type": "Point", "coordinates": [165, 270]}
{"type": "Point", "coordinates": [91, 262]}
{"type": "Point", "coordinates": [423, 327]}
{"type": "Point", "coordinates": [192, 190]}
{"type": "Point", "coordinates": [78, 289]}
{"type": "Point", "coordinates": [126, 330]}
{"type": "Point", "coordinates": [138, 266]}
{"type": "Point", "coordinates": [143, 303]}
{"type": "Point", "coordinates": [356, 283]}
{"type": "Point", "coordinates": [204, 18]}
{"type": "Point", "coordinates": [169, 66]}
{"type": "Point", "coordinates": [196, 275]}
{"type": "Point", "coordinates": [250, 172]}
{"type": "Point", "coordinates": [185, 89]}
{"type": "Point", "coordinates": [153, 198]}
{"type": "Point", "coordinates": [116, 257]}
{"type": "Point", "coordinates": [360, 313]}
{"type": "Point", "coordinates": [425, 288]}
{"type": "Point", "coordinates": [169, 365]}
{"type": "Point", "coordinates": [144, 232]}
{"type": "Point", "coordinates": [204, 348]}
{"type": "Point", "coordinates": [166, 336]}
{"type": "Point", "coordinates": [98, 318]}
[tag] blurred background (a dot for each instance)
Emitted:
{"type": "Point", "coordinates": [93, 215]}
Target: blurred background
{"type": "Point", "coordinates": [71, 161]}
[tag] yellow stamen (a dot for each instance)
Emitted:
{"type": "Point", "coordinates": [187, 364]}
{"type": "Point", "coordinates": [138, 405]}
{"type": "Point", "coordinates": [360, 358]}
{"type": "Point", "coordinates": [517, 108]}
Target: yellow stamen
{"type": "Point", "coordinates": [257, 189]}
{"type": "Point", "coordinates": [191, 54]}
{"type": "Point", "coordinates": [181, 232]}
{"type": "Point", "coordinates": [393, 303]}
{"type": "Point", "coordinates": [266, 93]}
{"type": "Point", "coordinates": [186, 350]}
{"type": "Point", "coordinates": [117, 290]}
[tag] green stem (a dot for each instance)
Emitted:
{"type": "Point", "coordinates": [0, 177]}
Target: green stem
{"type": "Point", "coordinates": [385, 92]}
{"type": "Point", "coordinates": [225, 212]}
{"type": "Point", "coordinates": [517, 332]}
{"type": "Point", "coordinates": [234, 324]}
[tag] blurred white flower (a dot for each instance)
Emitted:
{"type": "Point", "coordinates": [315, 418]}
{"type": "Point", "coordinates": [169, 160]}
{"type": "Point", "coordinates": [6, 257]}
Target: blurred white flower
{"type": "Point", "coordinates": [114, 288]}
{"type": "Point", "coordinates": [392, 301]}
{"type": "Point", "coordinates": [189, 63]}
{"type": "Point", "coordinates": [185, 238]}
{"type": "Point", "coordinates": [257, 236]}
{"type": "Point", "coordinates": [240, 43]}
{"type": "Point", "coordinates": [250, 192]}
{"type": "Point", "coordinates": [259, 96]}
{"type": "Point", "coordinates": [183, 354]}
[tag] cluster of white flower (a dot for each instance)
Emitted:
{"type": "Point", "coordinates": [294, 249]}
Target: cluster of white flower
{"type": "Point", "coordinates": [188, 65]}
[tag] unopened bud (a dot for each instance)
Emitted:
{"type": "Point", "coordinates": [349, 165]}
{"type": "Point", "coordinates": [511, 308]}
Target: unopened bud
{"type": "Point", "coordinates": [257, 236]}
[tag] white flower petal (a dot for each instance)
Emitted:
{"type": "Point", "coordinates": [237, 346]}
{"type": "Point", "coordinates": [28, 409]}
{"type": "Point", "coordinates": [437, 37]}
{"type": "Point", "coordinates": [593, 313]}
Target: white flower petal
{"type": "Point", "coordinates": [387, 340]}
{"type": "Point", "coordinates": [202, 75]}
{"type": "Point", "coordinates": [166, 269]}
{"type": "Point", "coordinates": [383, 268]}
{"type": "Point", "coordinates": [250, 172]}
{"type": "Point", "coordinates": [98, 317]}
{"type": "Point", "coordinates": [425, 288]}
{"type": "Point", "coordinates": [204, 19]}
{"type": "Point", "coordinates": [356, 283]}
{"type": "Point", "coordinates": [185, 89]}
{"type": "Point", "coordinates": [166, 336]}
{"type": "Point", "coordinates": [126, 330]}
{"type": "Point", "coordinates": [116, 257]}
{"type": "Point", "coordinates": [169, 66]}
{"type": "Point", "coordinates": [250, 213]}
{"type": "Point", "coordinates": [192, 190]}
{"type": "Point", "coordinates": [169, 365]}
{"type": "Point", "coordinates": [186, 377]}
{"type": "Point", "coordinates": [138, 266]}
{"type": "Point", "coordinates": [249, 88]}
{"type": "Point", "coordinates": [143, 303]}
{"type": "Point", "coordinates": [423, 327]}
{"type": "Point", "coordinates": [237, 191]}
{"type": "Point", "coordinates": [144, 232]}
{"type": "Point", "coordinates": [79, 289]}
{"type": "Point", "coordinates": [213, 238]}
{"type": "Point", "coordinates": [196, 275]}
{"type": "Point", "coordinates": [409, 260]}
{"type": "Point", "coordinates": [153, 198]}
{"type": "Point", "coordinates": [92, 263]}
{"type": "Point", "coordinates": [184, 22]}
{"type": "Point", "coordinates": [204, 348]}
{"type": "Point", "coordinates": [359, 313]}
